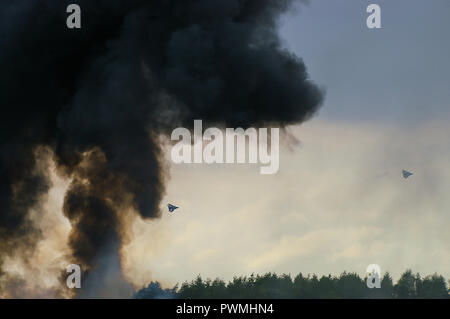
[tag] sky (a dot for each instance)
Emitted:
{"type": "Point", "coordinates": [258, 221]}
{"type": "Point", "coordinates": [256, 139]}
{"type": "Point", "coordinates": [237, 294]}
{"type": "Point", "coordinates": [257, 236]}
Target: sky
{"type": "Point", "coordinates": [398, 74]}
{"type": "Point", "coordinates": [338, 202]}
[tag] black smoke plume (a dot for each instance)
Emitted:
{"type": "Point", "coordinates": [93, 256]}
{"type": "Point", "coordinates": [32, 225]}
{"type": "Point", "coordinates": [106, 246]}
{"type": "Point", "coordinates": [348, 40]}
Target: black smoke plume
{"type": "Point", "coordinates": [100, 96]}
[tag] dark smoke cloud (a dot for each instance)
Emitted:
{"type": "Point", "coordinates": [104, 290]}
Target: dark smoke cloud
{"type": "Point", "coordinates": [100, 96]}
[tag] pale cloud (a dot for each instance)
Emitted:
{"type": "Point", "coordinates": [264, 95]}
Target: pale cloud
{"type": "Point", "coordinates": [338, 203]}
{"type": "Point", "coordinates": [323, 242]}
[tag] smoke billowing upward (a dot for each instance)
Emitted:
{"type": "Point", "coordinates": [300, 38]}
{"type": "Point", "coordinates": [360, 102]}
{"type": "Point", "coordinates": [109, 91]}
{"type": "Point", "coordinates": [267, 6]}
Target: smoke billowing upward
{"type": "Point", "coordinates": [100, 96]}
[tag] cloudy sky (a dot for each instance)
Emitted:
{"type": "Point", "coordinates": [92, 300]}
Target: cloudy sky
{"type": "Point", "coordinates": [338, 202]}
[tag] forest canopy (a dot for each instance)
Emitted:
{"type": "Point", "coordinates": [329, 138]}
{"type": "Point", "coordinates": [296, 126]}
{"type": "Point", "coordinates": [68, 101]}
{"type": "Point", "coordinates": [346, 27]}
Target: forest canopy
{"type": "Point", "coordinates": [273, 286]}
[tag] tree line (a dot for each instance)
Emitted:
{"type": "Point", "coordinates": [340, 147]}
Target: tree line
{"type": "Point", "coordinates": [273, 286]}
